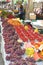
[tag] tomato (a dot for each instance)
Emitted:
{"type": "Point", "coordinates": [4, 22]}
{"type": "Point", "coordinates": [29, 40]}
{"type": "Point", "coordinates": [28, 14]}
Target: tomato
{"type": "Point", "coordinates": [30, 28]}
{"type": "Point", "coordinates": [23, 31]}
{"type": "Point", "coordinates": [32, 42]}
{"type": "Point", "coordinates": [22, 35]}
{"type": "Point", "coordinates": [38, 37]}
{"type": "Point", "coordinates": [23, 38]}
{"type": "Point", "coordinates": [31, 36]}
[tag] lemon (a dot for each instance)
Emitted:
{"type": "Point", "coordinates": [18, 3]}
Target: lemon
{"type": "Point", "coordinates": [29, 52]}
{"type": "Point", "coordinates": [26, 27]}
{"type": "Point", "coordinates": [36, 30]}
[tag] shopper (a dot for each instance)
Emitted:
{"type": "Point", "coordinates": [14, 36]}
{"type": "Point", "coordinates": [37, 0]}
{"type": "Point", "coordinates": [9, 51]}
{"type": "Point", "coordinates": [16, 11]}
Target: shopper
{"type": "Point", "coordinates": [21, 12]}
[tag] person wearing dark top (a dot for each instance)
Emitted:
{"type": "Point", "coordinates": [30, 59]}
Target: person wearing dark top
{"type": "Point", "coordinates": [21, 12]}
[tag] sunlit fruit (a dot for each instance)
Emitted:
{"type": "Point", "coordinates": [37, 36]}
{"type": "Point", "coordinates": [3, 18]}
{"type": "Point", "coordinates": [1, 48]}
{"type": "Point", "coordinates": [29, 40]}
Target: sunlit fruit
{"type": "Point", "coordinates": [29, 52]}
{"type": "Point", "coordinates": [36, 30]}
{"type": "Point", "coordinates": [26, 27]}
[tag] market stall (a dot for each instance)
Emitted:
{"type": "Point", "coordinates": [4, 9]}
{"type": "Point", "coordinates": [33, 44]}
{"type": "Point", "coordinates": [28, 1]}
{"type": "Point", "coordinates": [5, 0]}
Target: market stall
{"type": "Point", "coordinates": [21, 36]}
{"type": "Point", "coordinates": [26, 47]}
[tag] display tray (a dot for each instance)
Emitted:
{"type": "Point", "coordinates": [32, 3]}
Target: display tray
{"type": "Point", "coordinates": [38, 24]}
{"type": "Point", "coordinates": [4, 54]}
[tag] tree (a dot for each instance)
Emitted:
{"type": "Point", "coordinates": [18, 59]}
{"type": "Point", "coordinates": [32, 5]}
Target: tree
{"type": "Point", "coordinates": [29, 8]}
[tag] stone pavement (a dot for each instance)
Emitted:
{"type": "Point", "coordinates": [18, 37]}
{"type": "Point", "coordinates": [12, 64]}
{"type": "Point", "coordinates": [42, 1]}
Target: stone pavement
{"type": "Point", "coordinates": [1, 60]}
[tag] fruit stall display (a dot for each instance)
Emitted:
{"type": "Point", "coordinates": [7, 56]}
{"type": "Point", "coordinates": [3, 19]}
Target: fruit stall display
{"type": "Point", "coordinates": [23, 45]}
{"type": "Point", "coordinates": [7, 14]}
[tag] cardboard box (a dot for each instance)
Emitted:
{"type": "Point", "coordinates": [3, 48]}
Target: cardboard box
{"type": "Point", "coordinates": [32, 16]}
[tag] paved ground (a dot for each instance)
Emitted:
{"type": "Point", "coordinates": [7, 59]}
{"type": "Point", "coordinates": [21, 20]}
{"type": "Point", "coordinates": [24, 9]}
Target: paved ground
{"type": "Point", "coordinates": [1, 60]}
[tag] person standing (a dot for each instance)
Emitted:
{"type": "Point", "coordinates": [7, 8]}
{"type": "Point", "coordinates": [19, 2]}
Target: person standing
{"type": "Point", "coordinates": [21, 12]}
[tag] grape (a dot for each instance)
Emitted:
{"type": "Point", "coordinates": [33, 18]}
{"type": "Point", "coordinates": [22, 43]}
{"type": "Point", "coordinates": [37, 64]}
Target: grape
{"type": "Point", "coordinates": [14, 57]}
{"type": "Point", "coordinates": [20, 51]}
{"type": "Point", "coordinates": [8, 58]}
{"type": "Point", "coordinates": [8, 50]}
{"type": "Point", "coordinates": [7, 46]}
{"type": "Point", "coordinates": [10, 64]}
{"type": "Point", "coordinates": [31, 63]}
{"type": "Point", "coordinates": [30, 59]}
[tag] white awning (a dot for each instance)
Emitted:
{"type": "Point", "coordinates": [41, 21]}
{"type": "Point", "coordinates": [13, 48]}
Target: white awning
{"type": "Point", "coordinates": [37, 0]}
